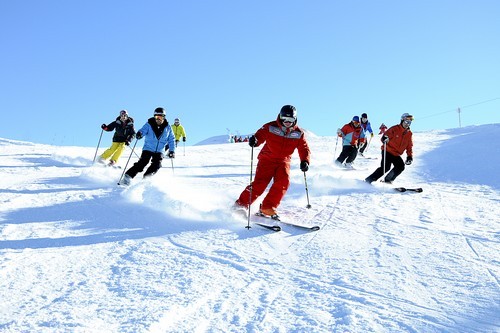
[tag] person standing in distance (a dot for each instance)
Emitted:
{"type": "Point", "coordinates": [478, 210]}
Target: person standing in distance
{"type": "Point", "coordinates": [280, 137]}
{"type": "Point", "coordinates": [157, 134]}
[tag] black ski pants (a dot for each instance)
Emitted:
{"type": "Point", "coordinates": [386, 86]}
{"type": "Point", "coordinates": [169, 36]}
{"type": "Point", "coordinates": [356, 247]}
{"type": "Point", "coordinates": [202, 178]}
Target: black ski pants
{"type": "Point", "coordinates": [348, 154]}
{"type": "Point", "coordinates": [146, 156]}
{"type": "Point", "coordinates": [399, 166]}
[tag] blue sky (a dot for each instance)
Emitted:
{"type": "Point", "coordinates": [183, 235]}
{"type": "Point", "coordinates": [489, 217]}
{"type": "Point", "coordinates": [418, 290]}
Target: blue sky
{"type": "Point", "coordinates": [69, 66]}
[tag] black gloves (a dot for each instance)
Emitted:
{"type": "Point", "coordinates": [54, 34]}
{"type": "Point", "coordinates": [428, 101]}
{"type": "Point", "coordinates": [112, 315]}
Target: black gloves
{"type": "Point", "coordinates": [104, 127]}
{"type": "Point", "coordinates": [384, 139]}
{"type": "Point", "coordinates": [409, 159]}
{"type": "Point", "coordinates": [127, 143]}
{"type": "Point", "coordinates": [304, 166]}
{"type": "Point", "coordinates": [252, 141]}
{"type": "Point", "coordinates": [138, 135]}
{"type": "Point", "coordinates": [184, 139]}
{"type": "Point", "coordinates": [171, 154]}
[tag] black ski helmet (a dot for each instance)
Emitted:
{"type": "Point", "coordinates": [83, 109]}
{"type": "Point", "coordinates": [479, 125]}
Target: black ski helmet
{"type": "Point", "coordinates": [288, 111]}
{"type": "Point", "coordinates": [364, 115]}
{"type": "Point", "coordinates": [160, 112]}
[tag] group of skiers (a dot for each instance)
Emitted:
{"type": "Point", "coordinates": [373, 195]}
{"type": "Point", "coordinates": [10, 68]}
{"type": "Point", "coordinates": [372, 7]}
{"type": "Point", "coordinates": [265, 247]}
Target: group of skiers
{"type": "Point", "coordinates": [158, 136]}
{"type": "Point", "coordinates": [279, 138]}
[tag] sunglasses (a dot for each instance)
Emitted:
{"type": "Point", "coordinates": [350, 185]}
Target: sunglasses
{"type": "Point", "coordinates": [158, 116]}
{"type": "Point", "coordinates": [287, 119]}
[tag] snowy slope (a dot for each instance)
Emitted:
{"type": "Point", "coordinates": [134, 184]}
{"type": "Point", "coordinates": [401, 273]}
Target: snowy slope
{"type": "Point", "coordinates": [80, 254]}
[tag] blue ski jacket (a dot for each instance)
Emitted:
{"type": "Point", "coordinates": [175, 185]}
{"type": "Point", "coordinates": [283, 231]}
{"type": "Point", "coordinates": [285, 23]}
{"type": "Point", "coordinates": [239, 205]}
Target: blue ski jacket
{"type": "Point", "coordinates": [367, 127]}
{"type": "Point", "coordinates": [157, 137]}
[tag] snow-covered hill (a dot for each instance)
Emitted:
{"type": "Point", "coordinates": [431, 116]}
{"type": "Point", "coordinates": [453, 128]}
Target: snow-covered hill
{"type": "Point", "coordinates": [80, 254]}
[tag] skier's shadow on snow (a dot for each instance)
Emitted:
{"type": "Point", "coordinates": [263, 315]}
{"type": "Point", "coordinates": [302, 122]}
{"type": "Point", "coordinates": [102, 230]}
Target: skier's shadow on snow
{"type": "Point", "coordinates": [107, 219]}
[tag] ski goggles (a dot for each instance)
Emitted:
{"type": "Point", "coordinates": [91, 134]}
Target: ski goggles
{"type": "Point", "coordinates": [159, 116]}
{"type": "Point", "coordinates": [287, 119]}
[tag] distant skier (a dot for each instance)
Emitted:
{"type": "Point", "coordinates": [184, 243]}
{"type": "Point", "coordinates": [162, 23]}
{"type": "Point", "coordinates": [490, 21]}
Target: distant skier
{"type": "Point", "coordinates": [280, 138]}
{"type": "Point", "coordinates": [158, 135]}
{"type": "Point", "coordinates": [367, 127]}
{"type": "Point", "coordinates": [352, 135]}
{"type": "Point", "coordinates": [124, 134]}
{"type": "Point", "coordinates": [382, 129]}
{"type": "Point", "coordinates": [179, 131]}
{"type": "Point", "coordinates": [397, 139]}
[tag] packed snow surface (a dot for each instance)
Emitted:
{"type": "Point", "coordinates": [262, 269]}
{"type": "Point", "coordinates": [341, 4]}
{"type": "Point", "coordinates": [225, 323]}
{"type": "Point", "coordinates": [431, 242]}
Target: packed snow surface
{"type": "Point", "coordinates": [80, 254]}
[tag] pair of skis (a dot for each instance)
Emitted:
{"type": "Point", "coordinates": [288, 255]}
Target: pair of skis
{"type": "Point", "coordinates": [276, 227]}
{"type": "Point", "coordinates": [405, 189]}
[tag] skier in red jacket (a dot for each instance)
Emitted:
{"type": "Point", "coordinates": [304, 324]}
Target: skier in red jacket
{"type": "Point", "coordinates": [280, 138]}
{"type": "Point", "coordinates": [395, 140]}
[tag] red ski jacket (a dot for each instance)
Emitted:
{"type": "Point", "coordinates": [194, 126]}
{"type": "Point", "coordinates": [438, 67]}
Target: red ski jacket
{"type": "Point", "coordinates": [352, 135]}
{"type": "Point", "coordinates": [281, 142]}
{"type": "Point", "coordinates": [400, 139]}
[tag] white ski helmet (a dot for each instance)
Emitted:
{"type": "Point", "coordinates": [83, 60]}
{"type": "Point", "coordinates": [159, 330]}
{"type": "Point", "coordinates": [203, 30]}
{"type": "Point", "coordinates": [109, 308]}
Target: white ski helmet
{"type": "Point", "coordinates": [405, 115]}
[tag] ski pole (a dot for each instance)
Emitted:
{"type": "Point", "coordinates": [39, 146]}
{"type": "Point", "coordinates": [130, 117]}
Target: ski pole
{"type": "Point", "coordinates": [172, 161]}
{"type": "Point", "coordinates": [125, 168]}
{"type": "Point", "coordinates": [250, 199]}
{"type": "Point", "coordinates": [384, 159]}
{"type": "Point", "coordinates": [134, 152]}
{"type": "Point", "coordinates": [184, 144]}
{"type": "Point", "coordinates": [307, 191]}
{"type": "Point", "coordinates": [336, 144]}
{"type": "Point", "coordinates": [368, 144]}
{"type": "Point", "coordinates": [98, 144]}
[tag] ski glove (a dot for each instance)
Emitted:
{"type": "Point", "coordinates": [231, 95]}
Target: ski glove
{"type": "Point", "coordinates": [304, 166]}
{"type": "Point", "coordinates": [166, 147]}
{"type": "Point", "coordinates": [339, 132]}
{"type": "Point", "coordinates": [252, 141]}
{"type": "Point", "coordinates": [184, 139]}
{"type": "Point", "coordinates": [385, 139]}
{"type": "Point", "coordinates": [127, 143]}
{"type": "Point", "coordinates": [409, 159]}
{"type": "Point", "coordinates": [138, 135]}
{"type": "Point", "coordinates": [104, 127]}
{"type": "Point", "coordinates": [371, 135]}
{"type": "Point", "coordinates": [171, 154]}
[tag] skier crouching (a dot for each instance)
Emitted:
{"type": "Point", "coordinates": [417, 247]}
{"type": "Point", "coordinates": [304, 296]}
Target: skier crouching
{"type": "Point", "coordinates": [280, 138]}
{"type": "Point", "coordinates": [158, 135]}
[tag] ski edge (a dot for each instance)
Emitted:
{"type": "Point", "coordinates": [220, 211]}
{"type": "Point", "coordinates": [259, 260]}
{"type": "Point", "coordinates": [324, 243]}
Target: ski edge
{"type": "Point", "coordinates": [302, 226]}
{"type": "Point", "coordinates": [268, 226]}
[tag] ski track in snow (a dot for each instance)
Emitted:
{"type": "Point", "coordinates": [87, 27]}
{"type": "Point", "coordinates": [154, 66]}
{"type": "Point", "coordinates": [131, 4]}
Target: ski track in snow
{"type": "Point", "coordinates": [78, 253]}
